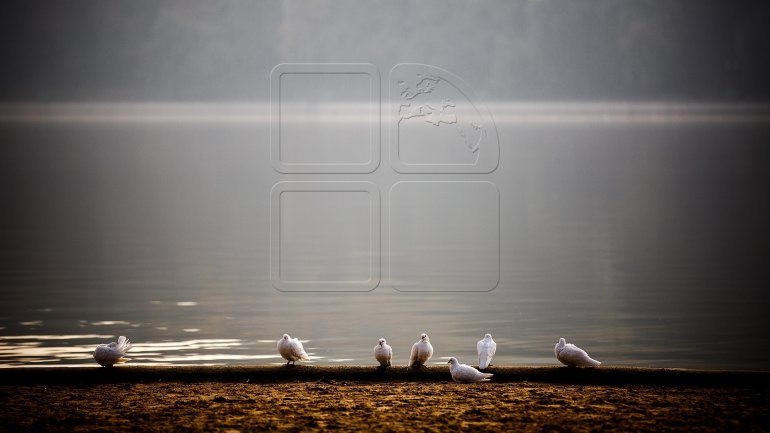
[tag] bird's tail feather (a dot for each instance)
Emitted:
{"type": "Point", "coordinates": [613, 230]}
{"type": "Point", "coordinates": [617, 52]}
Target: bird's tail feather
{"type": "Point", "coordinates": [123, 344]}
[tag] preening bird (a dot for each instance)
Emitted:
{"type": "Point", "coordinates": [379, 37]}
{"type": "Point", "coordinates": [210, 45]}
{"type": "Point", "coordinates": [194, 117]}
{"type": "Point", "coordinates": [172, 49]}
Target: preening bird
{"type": "Point", "coordinates": [486, 348]}
{"type": "Point", "coordinates": [466, 373]}
{"type": "Point", "coordinates": [383, 353]}
{"type": "Point", "coordinates": [110, 354]}
{"type": "Point", "coordinates": [421, 352]}
{"type": "Point", "coordinates": [573, 356]}
{"type": "Point", "coordinates": [291, 350]}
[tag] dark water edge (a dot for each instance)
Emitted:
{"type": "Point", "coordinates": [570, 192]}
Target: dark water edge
{"type": "Point", "coordinates": [613, 376]}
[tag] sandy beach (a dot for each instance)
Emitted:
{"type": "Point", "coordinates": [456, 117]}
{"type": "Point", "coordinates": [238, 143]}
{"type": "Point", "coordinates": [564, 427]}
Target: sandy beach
{"type": "Point", "coordinates": [310, 398]}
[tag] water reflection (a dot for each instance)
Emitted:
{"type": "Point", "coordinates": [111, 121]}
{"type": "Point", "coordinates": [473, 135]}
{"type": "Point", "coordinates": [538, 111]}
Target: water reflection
{"type": "Point", "coordinates": [32, 323]}
{"type": "Point", "coordinates": [186, 304]}
{"type": "Point", "coordinates": [53, 337]}
{"type": "Point", "coordinates": [638, 238]}
{"type": "Point", "coordinates": [109, 323]}
{"type": "Point", "coordinates": [72, 350]}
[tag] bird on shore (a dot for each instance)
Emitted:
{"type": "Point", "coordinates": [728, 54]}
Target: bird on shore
{"type": "Point", "coordinates": [466, 373]}
{"type": "Point", "coordinates": [421, 352]}
{"type": "Point", "coordinates": [486, 348]}
{"type": "Point", "coordinates": [573, 356]}
{"type": "Point", "coordinates": [291, 350]}
{"type": "Point", "coordinates": [383, 353]}
{"type": "Point", "coordinates": [110, 354]}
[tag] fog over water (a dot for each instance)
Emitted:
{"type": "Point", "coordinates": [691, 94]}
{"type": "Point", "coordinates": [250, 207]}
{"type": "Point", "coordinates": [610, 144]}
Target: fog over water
{"type": "Point", "coordinates": [595, 171]}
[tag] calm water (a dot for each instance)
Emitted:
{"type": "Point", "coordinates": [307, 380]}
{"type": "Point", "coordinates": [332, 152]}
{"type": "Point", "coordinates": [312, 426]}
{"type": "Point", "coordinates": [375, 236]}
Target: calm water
{"type": "Point", "coordinates": [644, 241]}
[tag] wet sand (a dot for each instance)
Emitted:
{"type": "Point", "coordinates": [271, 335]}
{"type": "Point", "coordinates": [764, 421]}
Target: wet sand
{"type": "Point", "coordinates": [359, 399]}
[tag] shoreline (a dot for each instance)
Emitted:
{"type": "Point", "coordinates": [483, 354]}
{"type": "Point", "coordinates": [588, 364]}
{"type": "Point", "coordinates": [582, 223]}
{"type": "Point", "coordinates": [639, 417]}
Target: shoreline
{"type": "Point", "coordinates": [354, 398]}
{"type": "Point", "coordinates": [604, 375]}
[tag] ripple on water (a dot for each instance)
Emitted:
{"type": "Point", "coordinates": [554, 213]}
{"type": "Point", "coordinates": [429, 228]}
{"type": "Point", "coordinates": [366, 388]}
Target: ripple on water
{"type": "Point", "coordinates": [77, 349]}
{"type": "Point", "coordinates": [32, 323]}
{"type": "Point", "coordinates": [186, 304]}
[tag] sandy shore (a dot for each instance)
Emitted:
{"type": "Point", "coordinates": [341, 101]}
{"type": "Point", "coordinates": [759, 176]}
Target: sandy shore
{"type": "Point", "coordinates": [313, 398]}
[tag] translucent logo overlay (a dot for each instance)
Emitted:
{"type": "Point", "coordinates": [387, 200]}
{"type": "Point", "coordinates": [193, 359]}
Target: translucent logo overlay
{"type": "Point", "coordinates": [434, 201]}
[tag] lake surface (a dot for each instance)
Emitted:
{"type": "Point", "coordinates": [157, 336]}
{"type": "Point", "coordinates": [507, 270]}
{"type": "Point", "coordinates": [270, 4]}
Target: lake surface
{"type": "Point", "coordinates": [637, 232]}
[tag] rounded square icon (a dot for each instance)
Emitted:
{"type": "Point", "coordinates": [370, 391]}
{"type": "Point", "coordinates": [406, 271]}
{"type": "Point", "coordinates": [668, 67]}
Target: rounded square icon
{"type": "Point", "coordinates": [325, 236]}
{"type": "Point", "coordinates": [325, 118]}
{"type": "Point", "coordinates": [444, 236]}
{"type": "Point", "coordinates": [436, 125]}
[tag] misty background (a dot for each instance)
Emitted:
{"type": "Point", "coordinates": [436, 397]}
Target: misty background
{"type": "Point", "coordinates": [519, 50]}
{"type": "Point", "coordinates": [135, 179]}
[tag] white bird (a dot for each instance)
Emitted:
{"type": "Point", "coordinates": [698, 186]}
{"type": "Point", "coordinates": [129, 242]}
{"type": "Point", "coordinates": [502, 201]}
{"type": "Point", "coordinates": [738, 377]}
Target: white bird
{"type": "Point", "coordinates": [573, 356]}
{"type": "Point", "coordinates": [466, 373]}
{"type": "Point", "coordinates": [383, 353]}
{"type": "Point", "coordinates": [421, 352]}
{"type": "Point", "coordinates": [108, 355]}
{"type": "Point", "coordinates": [291, 350]}
{"type": "Point", "coordinates": [486, 349]}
